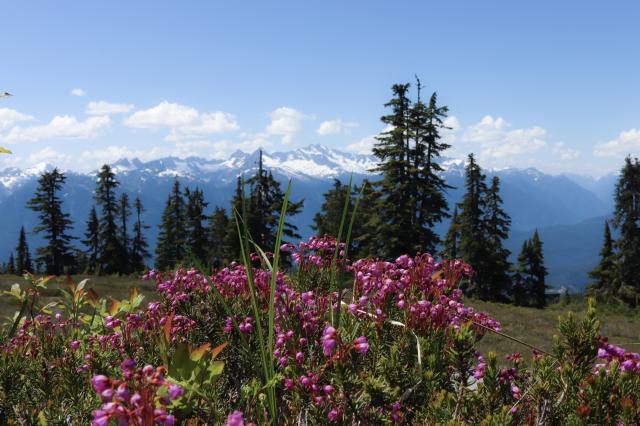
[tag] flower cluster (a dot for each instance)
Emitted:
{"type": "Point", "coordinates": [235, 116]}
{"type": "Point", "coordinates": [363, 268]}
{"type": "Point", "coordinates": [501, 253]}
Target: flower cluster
{"type": "Point", "coordinates": [607, 353]}
{"type": "Point", "coordinates": [141, 398]}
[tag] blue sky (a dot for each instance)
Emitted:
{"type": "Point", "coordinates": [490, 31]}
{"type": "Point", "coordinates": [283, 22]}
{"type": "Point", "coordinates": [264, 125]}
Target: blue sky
{"type": "Point", "coordinates": [552, 85]}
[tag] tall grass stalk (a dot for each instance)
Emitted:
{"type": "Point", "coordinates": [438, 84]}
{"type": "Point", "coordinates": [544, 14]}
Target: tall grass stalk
{"type": "Point", "coordinates": [266, 360]}
{"type": "Point", "coordinates": [347, 241]}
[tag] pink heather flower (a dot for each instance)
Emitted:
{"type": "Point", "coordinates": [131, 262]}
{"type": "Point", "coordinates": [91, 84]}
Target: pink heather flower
{"type": "Point", "coordinates": [100, 418]}
{"type": "Point", "coordinates": [289, 384]}
{"type": "Point", "coordinates": [99, 383]}
{"type": "Point", "coordinates": [175, 392]}
{"type": "Point", "coordinates": [328, 389]}
{"type": "Point", "coordinates": [106, 395]}
{"type": "Point", "coordinates": [136, 399]}
{"type": "Point", "coordinates": [127, 365]}
{"type": "Point", "coordinates": [122, 393]}
{"type": "Point", "coordinates": [228, 325]}
{"type": "Point", "coordinates": [74, 345]}
{"type": "Point", "coordinates": [235, 419]}
{"type": "Point", "coordinates": [329, 340]}
{"type": "Point", "coordinates": [170, 420]}
{"type": "Point", "coordinates": [333, 415]}
{"type": "Point", "coordinates": [360, 345]}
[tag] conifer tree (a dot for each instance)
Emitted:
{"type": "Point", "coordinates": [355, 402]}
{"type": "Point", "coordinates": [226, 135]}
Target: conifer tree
{"type": "Point", "coordinates": [327, 220]}
{"type": "Point", "coordinates": [11, 265]}
{"type": "Point", "coordinates": [92, 241]}
{"type": "Point", "coordinates": [474, 246]}
{"type": "Point", "coordinates": [411, 193]}
{"type": "Point", "coordinates": [111, 256]}
{"type": "Point", "coordinates": [451, 243]}
{"type": "Point", "coordinates": [231, 240]}
{"type": "Point", "coordinates": [56, 255]}
{"type": "Point", "coordinates": [539, 273]}
{"type": "Point", "coordinates": [529, 282]}
{"type": "Point", "coordinates": [171, 249]}
{"type": "Point", "coordinates": [124, 211]}
{"type": "Point", "coordinates": [366, 239]}
{"type": "Point", "coordinates": [497, 223]}
{"type": "Point", "coordinates": [603, 275]}
{"type": "Point", "coordinates": [219, 226]}
{"type": "Point", "coordinates": [264, 203]}
{"type": "Point", "coordinates": [139, 245]}
{"type": "Point", "coordinates": [23, 257]}
{"type": "Point", "coordinates": [627, 219]}
{"type": "Point", "coordinates": [196, 244]}
{"type": "Point", "coordinates": [426, 181]}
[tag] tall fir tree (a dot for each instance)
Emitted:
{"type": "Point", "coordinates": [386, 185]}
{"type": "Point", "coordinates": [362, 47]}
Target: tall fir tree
{"type": "Point", "coordinates": [112, 256]}
{"type": "Point", "coordinates": [497, 223]}
{"type": "Point", "coordinates": [539, 273]}
{"type": "Point", "coordinates": [23, 257]}
{"type": "Point", "coordinates": [11, 265]}
{"type": "Point", "coordinates": [411, 193]}
{"type": "Point", "coordinates": [474, 245]}
{"type": "Point", "coordinates": [139, 245]}
{"type": "Point", "coordinates": [264, 203]}
{"type": "Point", "coordinates": [327, 220]}
{"type": "Point", "coordinates": [603, 275]}
{"type": "Point", "coordinates": [627, 220]}
{"type": "Point", "coordinates": [124, 211]}
{"type": "Point", "coordinates": [451, 243]}
{"type": "Point", "coordinates": [56, 256]}
{"type": "Point", "coordinates": [231, 239]}
{"type": "Point", "coordinates": [219, 226]}
{"type": "Point", "coordinates": [366, 239]}
{"type": "Point", "coordinates": [197, 244]}
{"type": "Point", "coordinates": [427, 185]}
{"type": "Point", "coordinates": [92, 241]}
{"type": "Point", "coordinates": [171, 249]}
{"type": "Point", "coordinates": [529, 281]}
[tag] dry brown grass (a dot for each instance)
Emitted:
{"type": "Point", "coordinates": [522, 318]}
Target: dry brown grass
{"type": "Point", "coordinates": [538, 326]}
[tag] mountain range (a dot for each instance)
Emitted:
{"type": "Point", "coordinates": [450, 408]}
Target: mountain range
{"type": "Point", "coordinates": [568, 210]}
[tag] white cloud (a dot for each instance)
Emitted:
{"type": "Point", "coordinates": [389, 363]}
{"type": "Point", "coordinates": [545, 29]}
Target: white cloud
{"type": "Point", "coordinates": [163, 115]}
{"type": "Point", "coordinates": [363, 146]}
{"type": "Point", "coordinates": [78, 92]}
{"type": "Point", "coordinates": [452, 123]}
{"type": "Point", "coordinates": [493, 138]}
{"type": "Point", "coordinates": [107, 108]}
{"type": "Point", "coordinates": [563, 152]}
{"type": "Point", "coordinates": [627, 143]}
{"type": "Point", "coordinates": [61, 127]}
{"type": "Point", "coordinates": [185, 122]}
{"type": "Point", "coordinates": [50, 156]}
{"type": "Point", "coordinates": [207, 123]}
{"type": "Point", "coordinates": [335, 127]}
{"type": "Point", "coordinates": [8, 117]}
{"type": "Point", "coordinates": [285, 122]}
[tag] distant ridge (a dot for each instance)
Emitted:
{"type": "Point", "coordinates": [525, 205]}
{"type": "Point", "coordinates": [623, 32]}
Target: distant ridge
{"type": "Point", "coordinates": [532, 198]}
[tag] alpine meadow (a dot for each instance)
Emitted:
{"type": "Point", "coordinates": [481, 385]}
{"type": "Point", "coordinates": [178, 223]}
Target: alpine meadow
{"type": "Point", "coordinates": [373, 255]}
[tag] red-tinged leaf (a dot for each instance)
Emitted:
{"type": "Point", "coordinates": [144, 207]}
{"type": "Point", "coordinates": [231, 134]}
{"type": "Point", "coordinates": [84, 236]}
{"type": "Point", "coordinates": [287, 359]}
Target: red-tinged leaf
{"type": "Point", "coordinates": [167, 328]}
{"type": "Point", "coordinates": [197, 354]}
{"type": "Point", "coordinates": [215, 351]}
{"type": "Point", "coordinates": [114, 306]}
{"type": "Point", "coordinates": [93, 297]}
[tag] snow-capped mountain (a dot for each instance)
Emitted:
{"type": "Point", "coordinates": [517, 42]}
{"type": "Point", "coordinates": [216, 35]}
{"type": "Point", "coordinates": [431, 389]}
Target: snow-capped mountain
{"type": "Point", "coordinates": [532, 198]}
